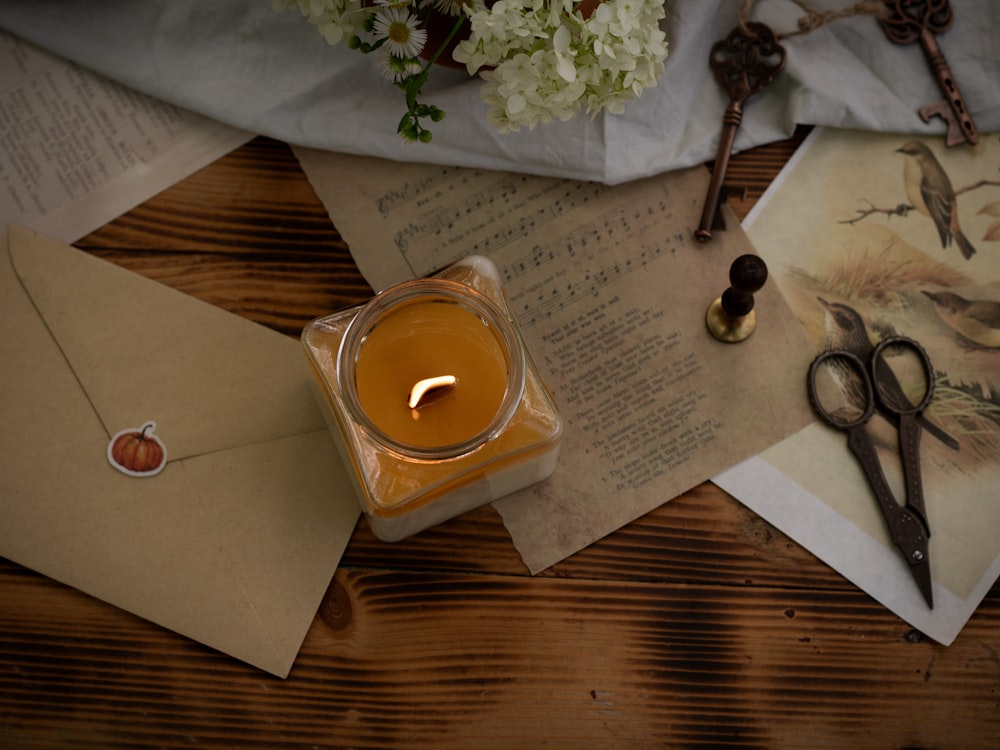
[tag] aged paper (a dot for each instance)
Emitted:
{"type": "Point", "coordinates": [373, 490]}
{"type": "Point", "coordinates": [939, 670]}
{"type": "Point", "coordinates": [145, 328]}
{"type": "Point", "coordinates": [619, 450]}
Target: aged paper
{"type": "Point", "coordinates": [610, 289]}
{"type": "Point", "coordinates": [78, 150]}
{"type": "Point", "coordinates": [832, 228]}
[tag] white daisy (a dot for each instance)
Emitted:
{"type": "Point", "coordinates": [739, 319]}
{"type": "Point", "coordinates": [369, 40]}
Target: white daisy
{"type": "Point", "coordinates": [397, 69]}
{"type": "Point", "coordinates": [451, 7]}
{"type": "Point", "coordinates": [401, 31]}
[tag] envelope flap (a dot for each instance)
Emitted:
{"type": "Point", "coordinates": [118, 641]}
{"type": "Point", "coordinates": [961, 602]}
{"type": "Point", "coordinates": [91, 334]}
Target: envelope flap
{"type": "Point", "coordinates": [231, 382]}
{"type": "Point", "coordinates": [232, 545]}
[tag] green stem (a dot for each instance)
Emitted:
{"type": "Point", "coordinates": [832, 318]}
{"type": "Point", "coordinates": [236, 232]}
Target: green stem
{"type": "Point", "coordinates": [414, 85]}
{"type": "Point", "coordinates": [459, 23]}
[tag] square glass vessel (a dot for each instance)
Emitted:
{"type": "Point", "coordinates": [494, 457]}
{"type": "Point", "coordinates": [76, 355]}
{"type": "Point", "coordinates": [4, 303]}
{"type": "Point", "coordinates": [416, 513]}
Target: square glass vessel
{"type": "Point", "coordinates": [433, 399]}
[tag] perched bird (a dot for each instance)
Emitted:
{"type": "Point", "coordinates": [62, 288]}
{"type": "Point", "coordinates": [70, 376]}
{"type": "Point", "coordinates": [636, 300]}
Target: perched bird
{"type": "Point", "coordinates": [845, 329]}
{"type": "Point", "coordinates": [929, 190]}
{"type": "Point", "coordinates": [976, 321]}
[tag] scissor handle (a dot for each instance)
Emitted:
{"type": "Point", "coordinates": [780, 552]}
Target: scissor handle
{"type": "Point", "coordinates": [860, 370]}
{"type": "Point", "coordinates": [909, 427]}
{"type": "Point", "coordinates": [886, 387]}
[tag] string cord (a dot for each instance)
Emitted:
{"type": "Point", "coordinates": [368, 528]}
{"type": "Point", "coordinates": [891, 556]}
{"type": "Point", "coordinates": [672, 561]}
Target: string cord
{"type": "Point", "coordinates": [813, 18]}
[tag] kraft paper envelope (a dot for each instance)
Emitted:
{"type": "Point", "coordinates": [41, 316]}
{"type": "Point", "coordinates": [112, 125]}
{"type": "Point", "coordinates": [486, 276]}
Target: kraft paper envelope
{"type": "Point", "coordinates": [235, 541]}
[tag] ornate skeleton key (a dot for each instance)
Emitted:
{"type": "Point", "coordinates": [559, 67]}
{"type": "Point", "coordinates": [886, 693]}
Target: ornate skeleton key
{"type": "Point", "coordinates": [743, 64]}
{"type": "Point", "coordinates": [909, 21]}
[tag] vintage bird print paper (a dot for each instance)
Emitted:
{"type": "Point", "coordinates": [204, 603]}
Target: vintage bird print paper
{"type": "Point", "coordinates": [870, 236]}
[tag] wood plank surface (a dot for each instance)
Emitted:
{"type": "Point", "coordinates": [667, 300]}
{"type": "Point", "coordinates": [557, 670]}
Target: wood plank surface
{"type": "Point", "coordinates": [697, 626]}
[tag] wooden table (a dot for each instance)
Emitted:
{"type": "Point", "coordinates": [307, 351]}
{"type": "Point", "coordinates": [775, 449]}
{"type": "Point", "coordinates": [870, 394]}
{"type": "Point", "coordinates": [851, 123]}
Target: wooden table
{"type": "Point", "coordinates": [700, 625]}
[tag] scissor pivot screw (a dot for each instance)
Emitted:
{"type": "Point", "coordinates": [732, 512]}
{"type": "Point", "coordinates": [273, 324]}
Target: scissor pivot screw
{"type": "Point", "coordinates": [917, 555]}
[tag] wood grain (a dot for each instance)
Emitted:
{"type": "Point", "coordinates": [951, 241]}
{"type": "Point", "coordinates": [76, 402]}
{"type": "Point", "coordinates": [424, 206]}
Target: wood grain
{"type": "Point", "coordinates": [697, 626]}
{"type": "Point", "coordinates": [247, 234]}
{"type": "Point", "coordinates": [403, 659]}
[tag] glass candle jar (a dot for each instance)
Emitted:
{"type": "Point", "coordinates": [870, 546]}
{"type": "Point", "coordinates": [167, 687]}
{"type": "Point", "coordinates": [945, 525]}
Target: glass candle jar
{"type": "Point", "coordinates": [433, 398]}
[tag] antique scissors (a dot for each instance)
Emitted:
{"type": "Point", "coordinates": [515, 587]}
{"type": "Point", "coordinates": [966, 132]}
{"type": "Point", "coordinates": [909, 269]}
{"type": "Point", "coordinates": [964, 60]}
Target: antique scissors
{"type": "Point", "coordinates": [854, 388]}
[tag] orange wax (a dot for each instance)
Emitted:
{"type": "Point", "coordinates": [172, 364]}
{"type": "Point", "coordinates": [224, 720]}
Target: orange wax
{"type": "Point", "coordinates": [494, 431]}
{"type": "Point", "coordinates": [426, 339]}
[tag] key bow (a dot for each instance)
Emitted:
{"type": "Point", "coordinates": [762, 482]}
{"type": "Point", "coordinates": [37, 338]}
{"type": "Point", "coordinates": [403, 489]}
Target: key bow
{"type": "Point", "coordinates": [906, 20]}
{"type": "Point", "coordinates": [744, 63]}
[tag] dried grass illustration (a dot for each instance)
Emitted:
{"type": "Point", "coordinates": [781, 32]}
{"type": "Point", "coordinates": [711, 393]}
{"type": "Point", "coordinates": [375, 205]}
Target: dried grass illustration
{"type": "Point", "coordinates": [882, 279]}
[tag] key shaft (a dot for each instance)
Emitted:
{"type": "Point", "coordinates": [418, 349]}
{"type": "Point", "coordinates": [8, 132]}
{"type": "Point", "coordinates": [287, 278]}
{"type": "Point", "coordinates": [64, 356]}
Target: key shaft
{"type": "Point", "coordinates": [709, 211]}
{"type": "Point", "coordinates": [961, 126]}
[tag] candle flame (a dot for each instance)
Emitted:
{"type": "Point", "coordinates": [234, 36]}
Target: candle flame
{"type": "Point", "coordinates": [428, 390]}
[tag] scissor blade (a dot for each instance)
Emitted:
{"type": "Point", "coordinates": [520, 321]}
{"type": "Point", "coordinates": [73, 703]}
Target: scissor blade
{"type": "Point", "coordinates": [922, 575]}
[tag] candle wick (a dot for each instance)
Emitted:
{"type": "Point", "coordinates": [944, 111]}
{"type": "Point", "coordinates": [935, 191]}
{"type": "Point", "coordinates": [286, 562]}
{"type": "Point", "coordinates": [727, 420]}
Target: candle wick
{"type": "Point", "coordinates": [428, 390]}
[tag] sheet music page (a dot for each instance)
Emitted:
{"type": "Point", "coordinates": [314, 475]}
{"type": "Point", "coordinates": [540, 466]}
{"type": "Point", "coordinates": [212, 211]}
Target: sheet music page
{"type": "Point", "coordinates": [831, 228]}
{"type": "Point", "coordinates": [78, 150]}
{"type": "Point", "coordinates": [610, 289]}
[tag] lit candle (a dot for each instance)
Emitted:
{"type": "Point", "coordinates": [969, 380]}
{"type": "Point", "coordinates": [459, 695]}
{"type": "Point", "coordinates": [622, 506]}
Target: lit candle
{"type": "Point", "coordinates": [427, 391]}
{"type": "Point", "coordinates": [415, 341]}
{"type": "Point", "coordinates": [434, 403]}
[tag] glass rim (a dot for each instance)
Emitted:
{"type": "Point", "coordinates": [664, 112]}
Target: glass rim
{"type": "Point", "coordinates": [392, 299]}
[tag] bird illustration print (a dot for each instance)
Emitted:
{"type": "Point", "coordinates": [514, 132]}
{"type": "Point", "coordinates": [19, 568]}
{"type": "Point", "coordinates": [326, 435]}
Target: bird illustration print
{"type": "Point", "coordinates": [929, 189]}
{"type": "Point", "coordinates": [976, 321]}
{"type": "Point", "coordinates": [846, 329]}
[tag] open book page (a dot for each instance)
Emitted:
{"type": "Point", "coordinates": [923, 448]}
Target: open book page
{"type": "Point", "coordinates": [610, 289]}
{"type": "Point", "coordinates": [847, 223]}
{"type": "Point", "coordinates": [78, 150]}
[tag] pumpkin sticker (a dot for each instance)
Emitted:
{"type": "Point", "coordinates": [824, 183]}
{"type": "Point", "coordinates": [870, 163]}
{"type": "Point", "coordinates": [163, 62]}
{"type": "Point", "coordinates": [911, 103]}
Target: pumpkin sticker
{"type": "Point", "coordinates": [137, 452]}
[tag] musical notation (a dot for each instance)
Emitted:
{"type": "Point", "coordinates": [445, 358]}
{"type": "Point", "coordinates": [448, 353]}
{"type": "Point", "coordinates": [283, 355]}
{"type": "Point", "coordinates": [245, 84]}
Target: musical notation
{"type": "Point", "coordinates": [495, 212]}
{"type": "Point", "coordinates": [437, 183]}
{"type": "Point", "coordinates": [558, 272]}
{"type": "Point", "coordinates": [554, 293]}
{"type": "Point", "coordinates": [556, 242]}
{"type": "Point", "coordinates": [584, 242]}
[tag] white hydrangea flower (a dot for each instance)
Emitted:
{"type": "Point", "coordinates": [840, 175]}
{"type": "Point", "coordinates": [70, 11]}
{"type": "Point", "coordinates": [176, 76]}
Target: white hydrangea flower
{"type": "Point", "coordinates": [334, 19]}
{"type": "Point", "coordinates": [564, 54]}
{"type": "Point", "coordinates": [540, 60]}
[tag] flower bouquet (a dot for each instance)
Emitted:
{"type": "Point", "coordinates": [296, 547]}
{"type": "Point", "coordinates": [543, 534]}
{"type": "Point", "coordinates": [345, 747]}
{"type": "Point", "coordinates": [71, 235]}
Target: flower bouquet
{"type": "Point", "coordinates": [540, 60]}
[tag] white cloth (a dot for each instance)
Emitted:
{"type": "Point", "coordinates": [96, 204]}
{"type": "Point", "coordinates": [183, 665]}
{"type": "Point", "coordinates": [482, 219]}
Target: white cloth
{"type": "Point", "coordinates": [242, 63]}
